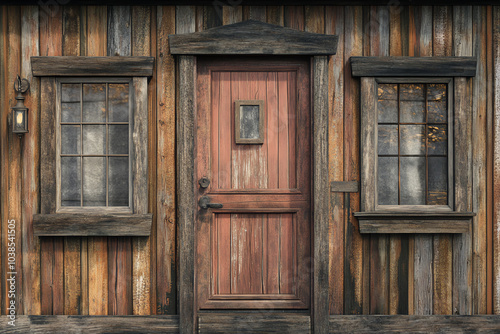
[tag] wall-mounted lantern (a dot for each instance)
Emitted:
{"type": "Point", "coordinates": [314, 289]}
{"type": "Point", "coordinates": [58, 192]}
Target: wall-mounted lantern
{"type": "Point", "coordinates": [20, 112]}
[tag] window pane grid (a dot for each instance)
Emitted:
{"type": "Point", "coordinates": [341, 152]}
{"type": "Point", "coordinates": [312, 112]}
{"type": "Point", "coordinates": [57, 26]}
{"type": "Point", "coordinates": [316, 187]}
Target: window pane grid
{"type": "Point", "coordinates": [422, 155]}
{"type": "Point", "coordinates": [95, 175]}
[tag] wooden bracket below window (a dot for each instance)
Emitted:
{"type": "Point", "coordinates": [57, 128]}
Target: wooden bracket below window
{"type": "Point", "coordinates": [71, 224]}
{"type": "Point", "coordinates": [406, 222]}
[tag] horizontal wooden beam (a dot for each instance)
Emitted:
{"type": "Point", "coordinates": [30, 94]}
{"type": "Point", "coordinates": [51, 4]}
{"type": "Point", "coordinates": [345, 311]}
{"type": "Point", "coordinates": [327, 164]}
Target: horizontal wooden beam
{"type": "Point", "coordinates": [344, 186]}
{"type": "Point", "coordinates": [92, 66]}
{"type": "Point", "coordinates": [90, 324]}
{"type": "Point", "coordinates": [254, 322]}
{"type": "Point", "coordinates": [414, 324]}
{"type": "Point", "coordinates": [413, 66]}
{"type": "Point", "coordinates": [76, 224]}
{"type": "Point", "coordinates": [446, 222]}
{"type": "Point", "coordinates": [252, 38]}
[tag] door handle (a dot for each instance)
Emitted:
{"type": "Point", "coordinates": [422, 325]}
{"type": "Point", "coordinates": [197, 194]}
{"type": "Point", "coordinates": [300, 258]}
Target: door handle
{"type": "Point", "coordinates": [205, 203]}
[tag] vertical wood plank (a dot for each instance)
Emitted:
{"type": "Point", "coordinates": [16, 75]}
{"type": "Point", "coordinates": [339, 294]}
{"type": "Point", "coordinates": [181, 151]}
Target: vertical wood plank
{"type": "Point", "coordinates": [275, 15]}
{"type": "Point", "coordinates": [421, 38]}
{"type": "Point", "coordinates": [272, 255]}
{"type": "Point", "coordinates": [212, 16]}
{"type": "Point", "coordinates": [141, 281]}
{"type": "Point", "coordinates": [496, 162]}
{"type": "Point", "coordinates": [462, 244]}
{"type": "Point", "coordinates": [166, 222]}
{"type": "Point", "coordinates": [97, 247]}
{"type": "Point", "coordinates": [254, 13]}
{"type": "Point", "coordinates": [31, 155]}
{"type": "Point", "coordinates": [353, 266]}
{"type": "Point", "coordinates": [52, 261]}
{"type": "Point", "coordinates": [3, 148]}
{"type": "Point", "coordinates": [232, 14]}
{"type": "Point", "coordinates": [294, 17]}
{"type": "Point", "coordinates": [320, 193]}
{"type": "Point", "coordinates": [479, 145]}
{"type": "Point", "coordinates": [334, 24]}
{"type": "Point", "coordinates": [72, 245]}
{"type": "Point", "coordinates": [443, 250]}
{"type": "Point", "coordinates": [119, 43]}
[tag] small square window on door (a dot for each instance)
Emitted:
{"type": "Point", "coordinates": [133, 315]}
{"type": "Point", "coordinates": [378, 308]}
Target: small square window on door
{"type": "Point", "coordinates": [249, 121]}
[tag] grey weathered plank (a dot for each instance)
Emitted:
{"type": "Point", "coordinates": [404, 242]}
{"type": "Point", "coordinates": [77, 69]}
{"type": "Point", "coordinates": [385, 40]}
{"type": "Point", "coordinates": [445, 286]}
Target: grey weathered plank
{"type": "Point", "coordinates": [414, 324]}
{"type": "Point", "coordinates": [321, 193]}
{"type": "Point", "coordinates": [258, 322]}
{"type": "Point", "coordinates": [253, 37]}
{"type": "Point", "coordinates": [344, 186]}
{"type": "Point", "coordinates": [413, 66]}
{"type": "Point", "coordinates": [92, 66]}
{"type": "Point", "coordinates": [185, 185]}
{"type": "Point", "coordinates": [119, 31]}
{"type": "Point", "coordinates": [368, 143]}
{"type": "Point", "coordinates": [91, 324]}
{"type": "Point", "coordinates": [65, 224]}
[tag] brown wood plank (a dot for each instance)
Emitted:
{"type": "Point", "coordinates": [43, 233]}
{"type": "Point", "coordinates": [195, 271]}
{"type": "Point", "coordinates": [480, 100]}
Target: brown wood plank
{"type": "Point", "coordinates": [120, 297]}
{"type": "Point", "coordinates": [232, 14]}
{"type": "Point", "coordinates": [141, 247]}
{"type": "Point", "coordinates": [166, 220]}
{"type": "Point", "coordinates": [275, 15]}
{"type": "Point", "coordinates": [254, 13]}
{"type": "Point", "coordinates": [51, 264]}
{"type": "Point", "coordinates": [272, 254]}
{"type": "Point", "coordinates": [92, 324]}
{"type": "Point", "coordinates": [31, 153]}
{"type": "Point", "coordinates": [462, 244]}
{"type": "Point", "coordinates": [212, 16]}
{"type": "Point", "coordinates": [92, 66]}
{"type": "Point", "coordinates": [4, 183]}
{"type": "Point", "coordinates": [254, 323]}
{"type": "Point", "coordinates": [253, 37]}
{"type": "Point", "coordinates": [224, 257]}
{"type": "Point", "coordinates": [496, 167]}
{"type": "Point", "coordinates": [479, 147]}
{"type": "Point", "coordinates": [97, 247]}
{"type": "Point", "coordinates": [334, 19]}
{"type": "Point", "coordinates": [353, 266]}
{"type": "Point", "coordinates": [443, 250]}
{"type": "Point", "coordinates": [62, 224]}
{"type": "Point", "coordinates": [294, 17]}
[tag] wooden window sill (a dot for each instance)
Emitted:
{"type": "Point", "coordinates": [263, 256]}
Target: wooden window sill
{"type": "Point", "coordinates": [414, 222]}
{"type": "Point", "coordinates": [79, 224]}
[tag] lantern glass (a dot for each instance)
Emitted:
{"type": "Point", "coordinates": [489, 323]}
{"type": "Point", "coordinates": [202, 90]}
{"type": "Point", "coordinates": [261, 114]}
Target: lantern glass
{"type": "Point", "coordinates": [19, 120]}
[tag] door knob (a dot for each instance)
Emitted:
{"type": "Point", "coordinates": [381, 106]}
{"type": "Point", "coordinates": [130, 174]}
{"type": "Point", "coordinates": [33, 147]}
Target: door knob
{"type": "Point", "coordinates": [205, 203]}
{"type": "Point", "coordinates": [204, 182]}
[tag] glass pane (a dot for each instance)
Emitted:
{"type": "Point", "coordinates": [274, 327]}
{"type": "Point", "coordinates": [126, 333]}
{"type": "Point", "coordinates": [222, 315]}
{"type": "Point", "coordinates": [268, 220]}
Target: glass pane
{"type": "Point", "coordinates": [412, 112]}
{"type": "Point", "coordinates": [437, 112]}
{"type": "Point", "coordinates": [388, 139]}
{"type": "Point", "coordinates": [438, 181]}
{"type": "Point", "coordinates": [118, 181]}
{"type": "Point", "coordinates": [411, 92]}
{"type": "Point", "coordinates": [438, 140]}
{"type": "Point", "coordinates": [387, 91]}
{"type": "Point", "coordinates": [387, 111]}
{"type": "Point", "coordinates": [412, 139]}
{"type": "Point", "coordinates": [94, 102]}
{"type": "Point", "coordinates": [71, 185]}
{"type": "Point", "coordinates": [412, 180]}
{"type": "Point", "coordinates": [118, 102]}
{"type": "Point", "coordinates": [70, 103]}
{"type": "Point", "coordinates": [94, 181]}
{"type": "Point", "coordinates": [436, 92]}
{"type": "Point", "coordinates": [387, 180]}
{"type": "Point", "coordinates": [118, 139]}
{"type": "Point", "coordinates": [94, 139]}
{"type": "Point", "coordinates": [70, 139]}
{"type": "Point", "coordinates": [249, 122]}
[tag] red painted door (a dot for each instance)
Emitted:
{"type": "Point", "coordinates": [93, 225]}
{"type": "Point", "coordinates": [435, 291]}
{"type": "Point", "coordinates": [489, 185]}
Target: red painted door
{"type": "Point", "coordinates": [253, 153]}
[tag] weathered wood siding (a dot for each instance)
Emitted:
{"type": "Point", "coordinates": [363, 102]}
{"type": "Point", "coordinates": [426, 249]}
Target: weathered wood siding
{"type": "Point", "coordinates": [369, 274]}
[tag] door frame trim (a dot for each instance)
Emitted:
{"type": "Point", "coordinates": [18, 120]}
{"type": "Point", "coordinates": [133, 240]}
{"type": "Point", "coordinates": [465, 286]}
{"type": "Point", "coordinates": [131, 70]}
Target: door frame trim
{"type": "Point", "coordinates": [186, 201]}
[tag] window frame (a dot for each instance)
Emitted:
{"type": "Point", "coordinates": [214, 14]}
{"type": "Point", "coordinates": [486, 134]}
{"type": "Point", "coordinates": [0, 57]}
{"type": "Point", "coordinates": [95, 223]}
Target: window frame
{"type": "Point", "coordinates": [96, 209]}
{"type": "Point", "coordinates": [92, 221]}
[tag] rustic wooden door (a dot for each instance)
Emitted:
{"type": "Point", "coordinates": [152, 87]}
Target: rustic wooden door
{"type": "Point", "coordinates": [253, 157]}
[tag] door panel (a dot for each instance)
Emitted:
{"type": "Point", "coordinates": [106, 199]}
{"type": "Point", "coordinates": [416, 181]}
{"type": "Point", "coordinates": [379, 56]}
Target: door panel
{"type": "Point", "coordinates": [254, 252]}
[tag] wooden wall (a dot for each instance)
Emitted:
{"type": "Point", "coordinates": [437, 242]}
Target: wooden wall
{"type": "Point", "coordinates": [377, 274]}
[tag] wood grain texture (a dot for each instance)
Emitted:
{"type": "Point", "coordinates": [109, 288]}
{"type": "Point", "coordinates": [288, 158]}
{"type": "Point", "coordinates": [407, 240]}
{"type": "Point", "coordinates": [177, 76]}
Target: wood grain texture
{"type": "Point", "coordinates": [166, 220]}
{"type": "Point", "coordinates": [496, 163]}
{"type": "Point", "coordinates": [4, 217]}
{"type": "Point", "coordinates": [31, 175]}
{"type": "Point", "coordinates": [267, 322]}
{"type": "Point", "coordinates": [320, 193]}
{"type": "Point", "coordinates": [92, 66]}
{"type": "Point", "coordinates": [61, 224]}
{"type": "Point", "coordinates": [253, 37]}
{"type": "Point", "coordinates": [414, 66]}
{"type": "Point", "coordinates": [119, 31]}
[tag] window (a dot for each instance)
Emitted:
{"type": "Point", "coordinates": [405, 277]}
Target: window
{"type": "Point", "coordinates": [94, 140]}
{"type": "Point", "coordinates": [94, 151]}
{"type": "Point", "coordinates": [415, 113]}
